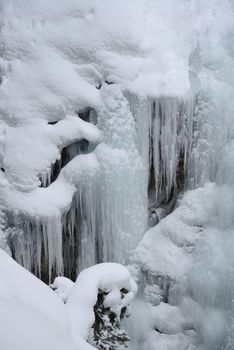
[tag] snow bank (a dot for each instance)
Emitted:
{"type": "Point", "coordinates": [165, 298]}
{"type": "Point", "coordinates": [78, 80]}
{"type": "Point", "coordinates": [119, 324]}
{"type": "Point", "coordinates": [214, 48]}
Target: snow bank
{"type": "Point", "coordinates": [25, 288]}
{"type": "Point", "coordinates": [32, 316]}
{"type": "Point", "coordinates": [23, 327]}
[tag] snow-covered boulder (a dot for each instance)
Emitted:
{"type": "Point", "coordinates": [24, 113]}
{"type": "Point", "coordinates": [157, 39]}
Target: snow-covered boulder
{"type": "Point", "coordinates": [110, 278]}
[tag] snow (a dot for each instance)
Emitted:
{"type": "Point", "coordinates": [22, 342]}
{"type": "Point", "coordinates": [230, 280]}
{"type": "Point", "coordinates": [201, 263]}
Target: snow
{"type": "Point", "coordinates": [24, 327]}
{"type": "Point", "coordinates": [23, 287]}
{"type": "Point", "coordinates": [108, 277]}
{"type": "Point", "coordinates": [171, 342]}
{"type": "Point", "coordinates": [168, 319]}
{"type": "Point", "coordinates": [30, 151]}
{"type": "Point", "coordinates": [62, 287]}
{"type": "Point", "coordinates": [165, 249]}
{"type": "Point", "coordinates": [152, 294]}
{"type": "Point", "coordinates": [189, 257]}
{"type": "Point", "coordinates": [42, 208]}
{"type": "Point", "coordinates": [60, 56]}
{"type": "Point", "coordinates": [172, 68]}
{"type": "Point", "coordinates": [122, 185]}
{"type": "Point", "coordinates": [57, 69]}
{"type": "Point", "coordinates": [163, 326]}
{"type": "Point", "coordinates": [34, 316]}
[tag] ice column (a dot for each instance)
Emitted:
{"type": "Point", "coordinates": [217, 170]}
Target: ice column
{"type": "Point", "coordinates": [114, 201]}
{"type": "Point", "coordinates": [172, 122]}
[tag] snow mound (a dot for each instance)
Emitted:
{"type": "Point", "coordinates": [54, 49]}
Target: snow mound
{"type": "Point", "coordinates": [62, 287]}
{"type": "Point", "coordinates": [165, 250]}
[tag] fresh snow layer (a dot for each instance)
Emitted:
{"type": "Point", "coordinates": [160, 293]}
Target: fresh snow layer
{"type": "Point", "coordinates": [62, 287]}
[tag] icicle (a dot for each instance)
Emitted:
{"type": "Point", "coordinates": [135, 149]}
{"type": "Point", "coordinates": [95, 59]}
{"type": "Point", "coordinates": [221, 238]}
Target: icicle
{"type": "Point", "coordinates": [171, 134]}
{"type": "Point", "coordinates": [37, 243]}
{"type": "Point", "coordinates": [141, 108]}
{"type": "Point", "coordinates": [67, 154]}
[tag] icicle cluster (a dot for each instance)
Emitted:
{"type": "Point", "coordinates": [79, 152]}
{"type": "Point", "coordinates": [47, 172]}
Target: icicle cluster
{"type": "Point", "coordinates": [37, 244]}
{"type": "Point", "coordinates": [108, 215]}
{"type": "Point", "coordinates": [171, 139]}
{"type": "Point", "coordinates": [67, 154]}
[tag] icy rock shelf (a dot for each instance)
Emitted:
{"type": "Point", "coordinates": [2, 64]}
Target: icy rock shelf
{"type": "Point", "coordinates": [70, 151]}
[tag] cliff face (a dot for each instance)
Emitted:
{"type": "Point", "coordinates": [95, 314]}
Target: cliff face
{"type": "Point", "coordinates": [109, 114]}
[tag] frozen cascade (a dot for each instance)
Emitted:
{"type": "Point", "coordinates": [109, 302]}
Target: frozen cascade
{"type": "Point", "coordinates": [109, 211]}
{"type": "Point", "coordinates": [165, 138]}
{"type": "Point", "coordinates": [81, 227]}
{"type": "Point", "coordinates": [123, 183]}
{"type": "Point", "coordinates": [211, 276]}
{"type": "Point", "coordinates": [138, 133]}
{"type": "Point", "coordinates": [141, 108]}
{"type": "Point", "coordinates": [96, 222]}
{"type": "Point", "coordinates": [164, 141]}
{"type": "Point", "coordinates": [108, 214]}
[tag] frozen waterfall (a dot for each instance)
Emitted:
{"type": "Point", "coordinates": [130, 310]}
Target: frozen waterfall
{"type": "Point", "coordinates": [116, 145]}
